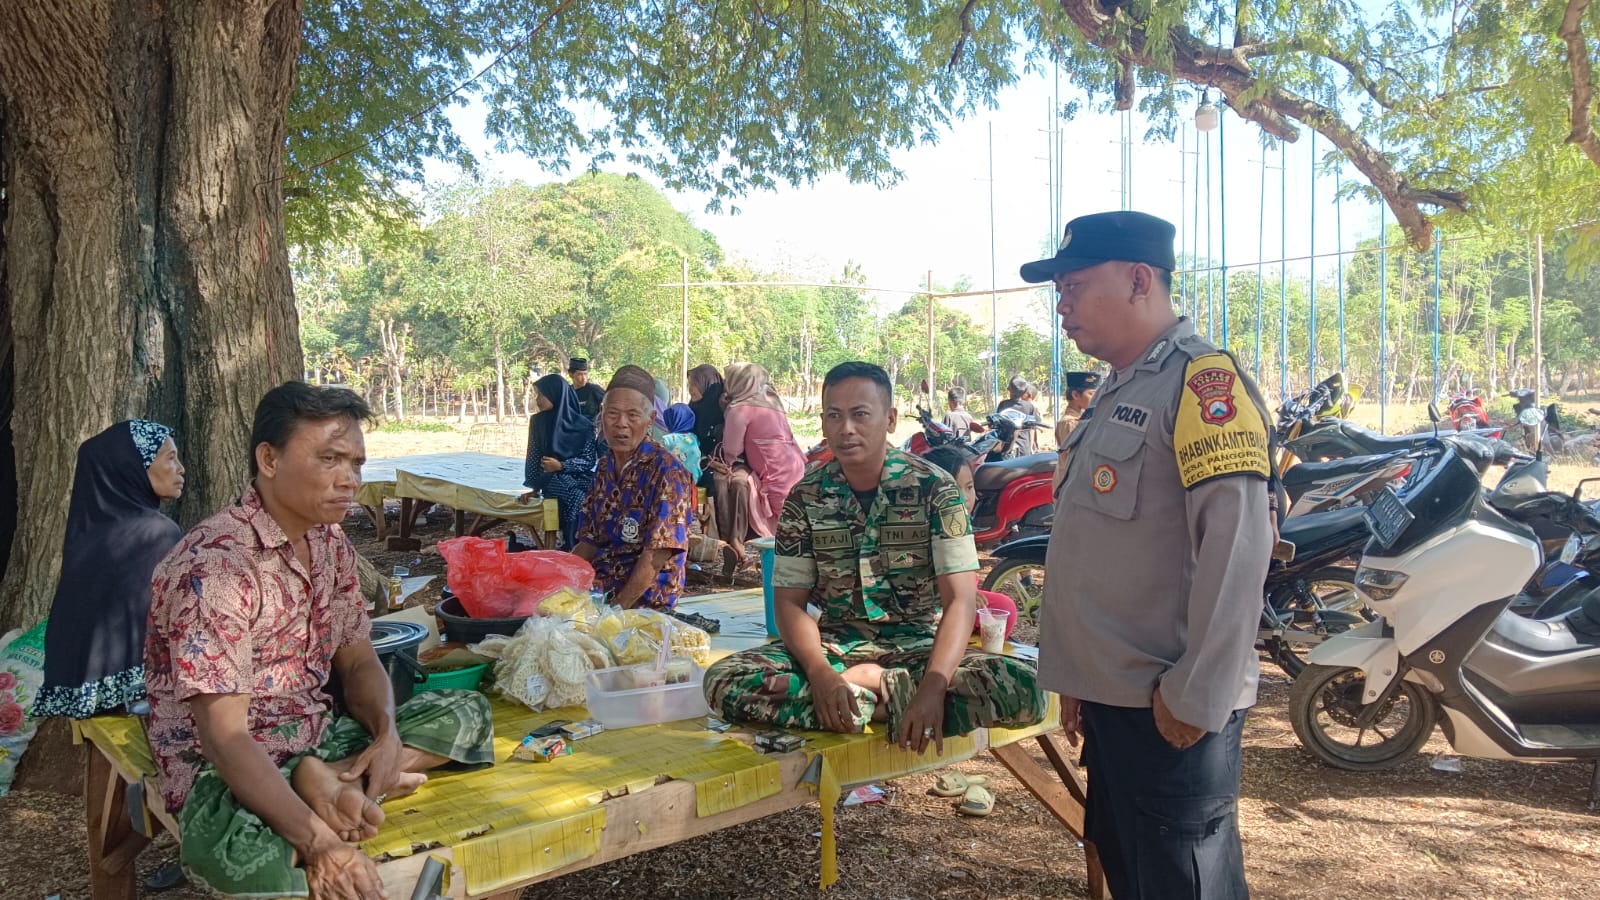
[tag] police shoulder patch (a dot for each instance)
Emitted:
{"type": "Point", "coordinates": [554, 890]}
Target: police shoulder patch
{"type": "Point", "coordinates": [1218, 430]}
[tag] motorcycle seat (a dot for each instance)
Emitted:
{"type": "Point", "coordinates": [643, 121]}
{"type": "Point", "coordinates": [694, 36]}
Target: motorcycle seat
{"type": "Point", "coordinates": [1314, 533]}
{"type": "Point", "coordinates": [1301, 474]}
{"type": "Point", "coordinates": [992, 476]}
{"type": "Point", "coordinates": [1374, 442]}
{"type": "Point", "coordinates": [1542, 636]}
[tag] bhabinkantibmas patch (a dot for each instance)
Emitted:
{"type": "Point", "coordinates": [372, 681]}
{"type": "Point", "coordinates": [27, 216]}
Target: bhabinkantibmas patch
{"type": "Point", "coordinates": [1218, 431]}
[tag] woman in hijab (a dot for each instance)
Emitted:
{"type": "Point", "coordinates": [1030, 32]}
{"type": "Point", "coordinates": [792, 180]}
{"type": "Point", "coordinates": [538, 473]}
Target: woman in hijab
{"type": "Point", "coordinates": [678, 423]}
{"type": "Point", "coordinates": [94, 646]}
{"type": "Point", "coordinates": [705, 400]}
{"type": "Point", "coordinates": [561, 453]}
{"type": "Point", "coordinates": [758, 462]}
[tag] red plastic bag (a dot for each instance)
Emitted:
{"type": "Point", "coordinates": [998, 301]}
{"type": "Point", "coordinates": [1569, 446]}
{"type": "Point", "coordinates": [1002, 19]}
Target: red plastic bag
{"type": "Point", "coordinates": [494, 584]}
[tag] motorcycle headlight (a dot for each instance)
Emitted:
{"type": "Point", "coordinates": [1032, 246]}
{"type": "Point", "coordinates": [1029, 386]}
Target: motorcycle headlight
{"type": "Point", "coordinates": [1379, 584]}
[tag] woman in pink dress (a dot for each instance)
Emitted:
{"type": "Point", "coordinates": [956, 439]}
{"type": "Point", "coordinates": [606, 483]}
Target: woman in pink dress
{"type": "Point", "coordinates": [758, 462]}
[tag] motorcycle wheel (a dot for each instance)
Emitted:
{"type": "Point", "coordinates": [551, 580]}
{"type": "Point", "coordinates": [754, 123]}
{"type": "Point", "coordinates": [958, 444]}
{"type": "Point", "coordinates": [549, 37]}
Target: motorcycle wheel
{"type": "Point", "coordinates": [1325, 703]}
{"type": "Point", "coordinates": [1023, 581]}
{"type": "Point", "coordinates": [1331, 589]}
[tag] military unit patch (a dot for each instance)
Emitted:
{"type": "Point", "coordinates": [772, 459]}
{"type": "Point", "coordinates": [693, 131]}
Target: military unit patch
{"type": "Point", "coordinates": [955, 522]}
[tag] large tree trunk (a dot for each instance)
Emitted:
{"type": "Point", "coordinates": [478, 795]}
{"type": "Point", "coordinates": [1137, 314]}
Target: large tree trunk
{"type": "Point", "coordinates": [145, 266]}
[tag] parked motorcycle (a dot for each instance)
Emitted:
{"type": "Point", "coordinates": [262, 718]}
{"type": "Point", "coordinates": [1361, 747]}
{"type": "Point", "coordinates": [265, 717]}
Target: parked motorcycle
{"type": "Point", "coordinates": [1306, 597]}
{"type": "Point", "coordinates": [1466, 410]}
{"type": "Point", "coordinates": [1441, 568]}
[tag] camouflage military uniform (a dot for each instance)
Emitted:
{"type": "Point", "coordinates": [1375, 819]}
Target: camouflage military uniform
{"type": "Point", "coordinates": [873, 573]}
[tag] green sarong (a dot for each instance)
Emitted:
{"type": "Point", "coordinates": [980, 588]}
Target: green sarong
{"type": "Point", "coordinates": [228, 849]}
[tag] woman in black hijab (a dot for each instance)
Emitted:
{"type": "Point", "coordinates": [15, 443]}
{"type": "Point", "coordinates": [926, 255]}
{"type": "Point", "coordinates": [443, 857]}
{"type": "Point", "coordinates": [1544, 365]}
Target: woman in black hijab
{"type": "Point", "coordinates": [705, 399]}
{"type": "Point", "coordinates": [561, 452]}
{"type": "Point", "coordinates": [94, 644]}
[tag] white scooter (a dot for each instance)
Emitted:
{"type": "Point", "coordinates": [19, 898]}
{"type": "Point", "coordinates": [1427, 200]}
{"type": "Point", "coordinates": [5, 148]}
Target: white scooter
{"type": "Point", "coordinates": [1441, 570]}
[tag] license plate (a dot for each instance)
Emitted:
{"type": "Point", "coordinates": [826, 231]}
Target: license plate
{"type": "Point", "coordinates": [1388, 517]}
{"type": "Point", "coordinates": [1570, 551]}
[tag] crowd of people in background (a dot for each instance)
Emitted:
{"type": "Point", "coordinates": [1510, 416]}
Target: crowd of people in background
{"type": "Point", "coordinates": [732, 439]}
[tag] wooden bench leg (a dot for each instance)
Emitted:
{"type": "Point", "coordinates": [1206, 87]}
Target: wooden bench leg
{"type": "Point", "coordinates": [1064, 796]}
{"type": "Point", "coordinates": [113, 844]}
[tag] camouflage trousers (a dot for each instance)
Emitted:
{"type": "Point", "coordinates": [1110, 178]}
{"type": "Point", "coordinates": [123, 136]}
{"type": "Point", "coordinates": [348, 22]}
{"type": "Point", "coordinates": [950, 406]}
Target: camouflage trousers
{"type": "Point", "coordinates": [766, 686]}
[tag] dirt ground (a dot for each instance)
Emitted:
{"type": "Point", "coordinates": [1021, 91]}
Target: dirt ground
{"type": "Point", "coordinates": [1493, 829]}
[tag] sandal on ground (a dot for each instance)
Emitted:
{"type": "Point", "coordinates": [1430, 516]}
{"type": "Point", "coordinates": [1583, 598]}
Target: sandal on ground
{"type": "Point", "coordinates": [977, 801]}
{"type": "Point", "coordinates": [704, 623]}
{"type": "Point", "coordinates": [955, 784]}
{"type": "Point", "coordinates": [898, 688]}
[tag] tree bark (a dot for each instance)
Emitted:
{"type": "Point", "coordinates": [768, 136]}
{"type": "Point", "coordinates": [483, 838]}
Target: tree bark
{"type": "Point", "coordinates": [146, 272]}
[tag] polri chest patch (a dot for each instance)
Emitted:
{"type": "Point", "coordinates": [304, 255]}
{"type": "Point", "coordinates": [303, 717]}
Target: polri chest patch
{"type": "Point", "coordinates": [1129, 415]}
{"type": "Point", "coordinates": [1105, 479]}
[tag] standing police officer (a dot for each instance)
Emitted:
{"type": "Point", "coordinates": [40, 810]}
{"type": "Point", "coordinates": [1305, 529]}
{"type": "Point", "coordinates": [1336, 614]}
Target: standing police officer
{"type": "Point", "coordinates": [1150, 612]}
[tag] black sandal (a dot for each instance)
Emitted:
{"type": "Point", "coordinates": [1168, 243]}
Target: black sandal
{"type": "Point", "coordinates": [704, 623]}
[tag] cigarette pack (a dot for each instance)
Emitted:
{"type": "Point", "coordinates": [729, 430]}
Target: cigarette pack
{"type": "Point", "coordinates": [715, 724]}
{"type": "Point", "coordinates": [541, 749]}
{"type": "Point", "coordinates": [577, 731]}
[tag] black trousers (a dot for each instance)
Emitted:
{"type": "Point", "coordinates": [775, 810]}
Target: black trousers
{"type": "Point", "coordinates": [1165, 821]}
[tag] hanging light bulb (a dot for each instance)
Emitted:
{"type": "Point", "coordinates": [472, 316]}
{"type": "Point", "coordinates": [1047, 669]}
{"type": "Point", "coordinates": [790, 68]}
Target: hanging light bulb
{"type": "Point", "coordinates": [1206, 114]}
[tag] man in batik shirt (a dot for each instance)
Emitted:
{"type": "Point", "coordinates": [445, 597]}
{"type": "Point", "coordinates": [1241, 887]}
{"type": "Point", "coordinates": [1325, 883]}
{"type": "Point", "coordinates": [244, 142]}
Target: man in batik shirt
{"type": "Point", "coordinates": [635, 528]}
{"type": "Point", "coordinates": [880, 541]}
{"type": "Point", "coordinates": [250, 616]}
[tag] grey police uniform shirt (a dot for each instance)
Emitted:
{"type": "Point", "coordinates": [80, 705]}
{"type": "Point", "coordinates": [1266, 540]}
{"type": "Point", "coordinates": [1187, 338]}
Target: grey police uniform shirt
{"type": "Point", "coordinates": [1152, 582]}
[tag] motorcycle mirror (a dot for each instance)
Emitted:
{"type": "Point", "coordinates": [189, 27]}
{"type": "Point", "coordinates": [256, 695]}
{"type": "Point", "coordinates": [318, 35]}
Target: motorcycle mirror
{"type": "Point", "coordinates": [1552, 417]}
{"type": "Point", "coordinates": [1433, 413]}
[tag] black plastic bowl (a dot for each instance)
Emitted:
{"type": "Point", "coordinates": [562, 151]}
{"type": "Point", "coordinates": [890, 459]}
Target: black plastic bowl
{"type": "Point", "coordinates": [460, 627]}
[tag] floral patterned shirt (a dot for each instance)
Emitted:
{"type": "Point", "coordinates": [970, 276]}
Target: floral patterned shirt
{"type": "Point", "coordinates": [232, 611]}
{"type": "Point", "coordinates": [645, 504]}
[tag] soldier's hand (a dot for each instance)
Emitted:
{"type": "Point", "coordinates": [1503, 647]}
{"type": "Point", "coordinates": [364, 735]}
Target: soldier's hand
{"type": "Point", "coordinates": [835, 703]}
{"type": "Point", "coordinates": [923, 720]}
{"type": "Point", "coordinates": [1181, 735]}
{"type": "Point", "coordinates": [1072, 719]}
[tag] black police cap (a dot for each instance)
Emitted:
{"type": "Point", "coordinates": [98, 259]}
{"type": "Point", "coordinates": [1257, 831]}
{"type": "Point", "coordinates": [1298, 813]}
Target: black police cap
{"type": "Point", "coordinates": [1102, 237]}
{"type": "Point", "coordinates": [1082, 381]}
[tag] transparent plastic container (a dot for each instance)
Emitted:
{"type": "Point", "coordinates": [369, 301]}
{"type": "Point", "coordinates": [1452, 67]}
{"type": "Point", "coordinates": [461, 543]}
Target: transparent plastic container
{"type": "Point", "coordinates": [616, 703]}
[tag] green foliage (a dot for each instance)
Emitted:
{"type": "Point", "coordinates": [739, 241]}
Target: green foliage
{"type": "Point", "coordinates": [504, 282]}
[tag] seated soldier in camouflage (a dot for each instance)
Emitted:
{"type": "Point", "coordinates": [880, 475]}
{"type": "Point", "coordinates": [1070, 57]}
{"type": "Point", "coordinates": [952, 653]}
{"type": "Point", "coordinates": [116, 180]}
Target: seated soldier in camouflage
{"type": "Point", "coordinates": [880, 541]}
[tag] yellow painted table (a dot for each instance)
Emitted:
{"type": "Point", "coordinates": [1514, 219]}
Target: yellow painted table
{"type": "Point", "coordinates": [619, 793]}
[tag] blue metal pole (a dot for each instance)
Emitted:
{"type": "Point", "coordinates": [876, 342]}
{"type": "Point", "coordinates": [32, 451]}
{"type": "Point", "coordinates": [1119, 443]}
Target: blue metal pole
{"type": "Point", "coordinates": [1436, 314]}
{"type": "Point", "coordinates": [1383, 316]}
{"type": "Point", "coordinates": [1222, 223]}
{"type": "Point", "coordinates": [994, 298]}
{"type": "Point", "coordinates": [1338, 227]}
{"type": "Point", "coordinates": [1311, 326]}
{"type": "Point", "coordinates": [1283, 271]}
{"type": "Point", "coordinates": [1261, 251]}
{"type": "Point", "coordinates": [1211, 329]}
{"type": "Point", "coordinates": [1183, 200]}
{"type": "Point", "coordinates": [1194, 276]}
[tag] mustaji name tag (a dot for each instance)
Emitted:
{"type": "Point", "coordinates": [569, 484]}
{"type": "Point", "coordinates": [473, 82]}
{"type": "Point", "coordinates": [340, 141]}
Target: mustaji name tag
{"type": "Point", "coordinates": [833, 539]}
{"type": "Point", "coordinates": [1130, 416]}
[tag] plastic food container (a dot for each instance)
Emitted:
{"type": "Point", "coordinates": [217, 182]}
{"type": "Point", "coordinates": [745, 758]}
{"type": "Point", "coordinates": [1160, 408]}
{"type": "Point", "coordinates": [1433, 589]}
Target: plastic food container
{"type": "Point", "coordinates": [618, 704]}
{"type": "Point", "coordinates": [463, 679]}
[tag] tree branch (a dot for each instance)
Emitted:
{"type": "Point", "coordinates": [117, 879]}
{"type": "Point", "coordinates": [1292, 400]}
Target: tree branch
{"type": "Point", "coordinates": [1571, 31]}
{"type": "Point", "coordinates": [966, 32]}
{"type": "Point", "coordinates": [1273, 108]}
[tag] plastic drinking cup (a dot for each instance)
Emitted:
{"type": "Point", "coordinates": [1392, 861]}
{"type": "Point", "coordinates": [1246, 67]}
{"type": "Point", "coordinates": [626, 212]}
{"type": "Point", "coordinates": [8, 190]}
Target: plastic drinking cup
{"type": "Point", "coordinates": [992, 629]}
